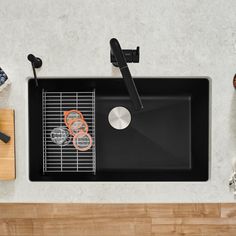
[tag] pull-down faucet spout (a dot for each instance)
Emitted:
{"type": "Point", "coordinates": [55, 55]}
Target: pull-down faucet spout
{"type": "Point", "coordinates": [129, 82]}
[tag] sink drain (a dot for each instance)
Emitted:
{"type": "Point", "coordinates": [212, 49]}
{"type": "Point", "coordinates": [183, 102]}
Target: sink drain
{"type": "Point", "coordinates": [119, 118]}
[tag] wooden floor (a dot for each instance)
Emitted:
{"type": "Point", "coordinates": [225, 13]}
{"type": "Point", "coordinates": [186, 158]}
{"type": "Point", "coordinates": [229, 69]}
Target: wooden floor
{"type": "Point", "coordinates": [117, 219]}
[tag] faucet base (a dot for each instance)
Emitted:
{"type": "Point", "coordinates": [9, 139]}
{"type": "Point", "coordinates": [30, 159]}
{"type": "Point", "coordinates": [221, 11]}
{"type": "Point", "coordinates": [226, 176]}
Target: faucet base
{"type": "Point", "coordinates": [131, 56]}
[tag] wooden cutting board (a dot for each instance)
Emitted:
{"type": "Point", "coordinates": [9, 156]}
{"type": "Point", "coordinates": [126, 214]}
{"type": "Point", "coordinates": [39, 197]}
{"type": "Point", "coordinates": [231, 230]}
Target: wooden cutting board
{"type": "Point", "coordinates": [7, 150]}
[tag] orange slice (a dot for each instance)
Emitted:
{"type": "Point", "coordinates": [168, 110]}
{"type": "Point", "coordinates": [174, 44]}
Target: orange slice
{"type": "Point", "coordinates": [78, 125]}
{"type": "Point", "coordinates": [71, 115]}
{"type": "Point", "coordinates": [82, 141]}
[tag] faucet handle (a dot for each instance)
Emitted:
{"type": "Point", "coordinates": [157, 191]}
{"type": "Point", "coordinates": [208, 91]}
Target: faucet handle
{"type": "Point", "coordinates": [131, 56]}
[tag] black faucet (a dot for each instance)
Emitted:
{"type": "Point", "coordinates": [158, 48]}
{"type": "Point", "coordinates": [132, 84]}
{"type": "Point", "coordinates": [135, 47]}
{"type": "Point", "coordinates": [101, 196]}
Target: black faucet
{"type": "Point", "coordinates": [117, 52]}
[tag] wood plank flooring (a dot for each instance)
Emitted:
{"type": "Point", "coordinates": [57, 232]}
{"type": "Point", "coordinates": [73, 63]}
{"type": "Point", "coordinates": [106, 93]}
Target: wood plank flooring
{"type": "Point", "coordinates": [117, 219]}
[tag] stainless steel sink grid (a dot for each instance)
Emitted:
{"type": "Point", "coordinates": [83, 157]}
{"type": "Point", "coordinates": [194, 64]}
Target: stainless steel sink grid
{"type": "Point", "coordinates": [67, 158]}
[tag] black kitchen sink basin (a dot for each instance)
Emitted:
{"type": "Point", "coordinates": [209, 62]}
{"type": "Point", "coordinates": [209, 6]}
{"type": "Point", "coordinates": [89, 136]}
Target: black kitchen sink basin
{"type": "Point", "coordinates": [167, 141]}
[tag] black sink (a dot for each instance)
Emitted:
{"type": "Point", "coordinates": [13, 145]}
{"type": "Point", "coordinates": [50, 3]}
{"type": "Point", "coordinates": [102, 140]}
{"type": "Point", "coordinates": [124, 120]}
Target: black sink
{"type": "Point", "coordinates": [167, 141]}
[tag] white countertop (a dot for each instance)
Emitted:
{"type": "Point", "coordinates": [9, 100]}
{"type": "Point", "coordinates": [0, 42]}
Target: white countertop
{"type": "Point", "coordinates": [176, 38]}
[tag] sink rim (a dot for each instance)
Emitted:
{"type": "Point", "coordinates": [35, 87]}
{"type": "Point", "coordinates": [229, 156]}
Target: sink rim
{"type": "Point", "coordinates": [119, 77]}
{"type": "Point", "coordinates": [151, 78]}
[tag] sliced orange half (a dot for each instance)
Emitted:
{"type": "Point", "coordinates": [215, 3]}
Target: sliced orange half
{"type": "Point", "coordinates": [78, 125]}
{"type": "Point", "coordinates": [71, 115]}
{"type": "Point", "coordinates": [82, 141]}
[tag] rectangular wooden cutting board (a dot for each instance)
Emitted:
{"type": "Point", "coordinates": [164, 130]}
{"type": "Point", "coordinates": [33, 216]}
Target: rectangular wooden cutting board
{"type": "Point", "coordinates": [7, 150]}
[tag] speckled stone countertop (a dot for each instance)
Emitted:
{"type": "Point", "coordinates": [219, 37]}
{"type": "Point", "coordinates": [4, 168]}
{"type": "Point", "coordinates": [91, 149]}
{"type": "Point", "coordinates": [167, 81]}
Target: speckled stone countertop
{"type": "Point", "coordinates": [176, 38]}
